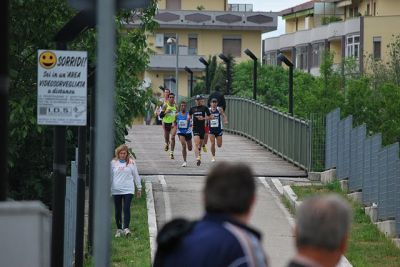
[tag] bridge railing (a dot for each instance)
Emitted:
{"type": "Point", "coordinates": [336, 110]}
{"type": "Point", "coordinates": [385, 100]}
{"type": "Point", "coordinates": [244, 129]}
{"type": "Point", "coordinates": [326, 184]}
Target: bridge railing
{"type": "Point", "coordinates": [284, 135]}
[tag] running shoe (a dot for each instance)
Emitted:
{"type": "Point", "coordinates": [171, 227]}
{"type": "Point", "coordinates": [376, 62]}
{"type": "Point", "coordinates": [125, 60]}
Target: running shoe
{"type": "Point", "coordinates": [213, 159]}
{"type": "Point", "coordinates": [198, 162]}
{"type": "Point", "coordinates": [184, 164]}
{"type": "Point", "coordinates": [166, 147]}
{"type": "Point", "coordinates": [171, 155]}
{"type": "Point", "coordinates": [127, 232]}
{"type": "Point", "coordinates": [118, 233]}
{"type": "Point", "coordinates": [205, 149]}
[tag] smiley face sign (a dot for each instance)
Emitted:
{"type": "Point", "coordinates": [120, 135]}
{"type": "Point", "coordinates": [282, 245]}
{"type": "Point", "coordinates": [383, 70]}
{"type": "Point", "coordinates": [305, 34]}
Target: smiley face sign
{"type": "Point", "coordinates": [47, 59]}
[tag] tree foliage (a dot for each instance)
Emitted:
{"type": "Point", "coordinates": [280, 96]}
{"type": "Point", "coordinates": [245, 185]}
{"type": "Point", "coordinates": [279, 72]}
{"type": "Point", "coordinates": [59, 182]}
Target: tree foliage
{"type": "Point", "coordinates": [34, 24]}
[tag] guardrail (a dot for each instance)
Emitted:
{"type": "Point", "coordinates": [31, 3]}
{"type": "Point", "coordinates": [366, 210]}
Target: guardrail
{"type": "Point", "coordinates": [284, 135]}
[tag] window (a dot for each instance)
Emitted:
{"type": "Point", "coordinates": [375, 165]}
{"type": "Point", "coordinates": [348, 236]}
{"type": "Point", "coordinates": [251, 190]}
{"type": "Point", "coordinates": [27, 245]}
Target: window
{"type": "Point", "coordinates": [353, 46]}
{"type": "Point", "coordinates": [377, 48]}
{"type": "Point", "coordinates": [192, 45]}
{"type": "Point", "coordinates": [374, 8]}
{"type": "Point", "coordinates": [301, 58]}
{"type": "Point", "coordinates": [170, 82]}
{"type": "Point", "coordinates": [170, 49]}
{"type": "Point", "coordinates": [173, 4]}
{"type": "Point", "coordinates": [368, 10]}
{"type": "Point", "coordinates": [317, 52]}
{"type": "Point", "coordinates": [232, 46]}
{"type": "Point", "coordinates": [270, 58]}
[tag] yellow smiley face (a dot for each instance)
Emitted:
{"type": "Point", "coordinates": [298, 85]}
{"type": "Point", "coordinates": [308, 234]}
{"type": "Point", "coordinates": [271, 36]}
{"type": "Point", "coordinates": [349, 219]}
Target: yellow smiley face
{"type": "Point", "coordinates": [47, 59]}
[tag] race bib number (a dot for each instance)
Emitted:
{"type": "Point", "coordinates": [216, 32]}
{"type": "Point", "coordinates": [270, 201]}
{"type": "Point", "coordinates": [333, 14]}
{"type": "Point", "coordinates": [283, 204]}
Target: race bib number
{"type": "Point", "coordinates": [214, 123]}
{"type": "Point", "coordinates": [182, 124]}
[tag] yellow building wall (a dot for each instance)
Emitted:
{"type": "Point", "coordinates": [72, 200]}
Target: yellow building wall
{"type": "Point", "coordinates": [383, 27]}
{"type": "Point", "coordinates": [290, 25]}
{"type": "Point", "coordinates": [210, 42]}
{"type": "Point", "coordinates": [387, 7]}
{"type": "Point", "coordinates": [301, 23]}
{"type": "Point", "coordinates": [210, 5]}
{"type": "Point", "coordinates": [336, 48]}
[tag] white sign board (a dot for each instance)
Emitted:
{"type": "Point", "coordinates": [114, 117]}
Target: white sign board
{"type": "Point", "coordinates": [62, 87]}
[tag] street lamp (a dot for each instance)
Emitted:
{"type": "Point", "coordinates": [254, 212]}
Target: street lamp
{"type": "Point", "coordinates": [254, 58]}
{"type": "Point", "coordinates": [288, 63]}
{"type": "Point", "coordinates": [228, 72]}
{"type": "Point", "coordinates": [190, 90]}
{"type": "Point", "coordinates": [175, 41]}
{"type": "Point", "coordinates": [206, 64]}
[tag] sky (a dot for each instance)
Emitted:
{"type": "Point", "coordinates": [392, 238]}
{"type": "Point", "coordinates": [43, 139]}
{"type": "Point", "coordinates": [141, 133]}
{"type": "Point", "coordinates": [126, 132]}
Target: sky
{"type": "Point", "coordinates": [271, 5]}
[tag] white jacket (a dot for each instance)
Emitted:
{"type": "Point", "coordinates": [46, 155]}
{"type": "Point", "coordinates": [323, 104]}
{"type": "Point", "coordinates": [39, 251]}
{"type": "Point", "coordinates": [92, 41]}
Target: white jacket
{"type": "Point", "coordinates": [124, 178]}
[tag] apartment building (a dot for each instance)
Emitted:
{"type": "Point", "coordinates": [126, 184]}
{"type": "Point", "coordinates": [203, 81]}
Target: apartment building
{"type": "Point", "coordinates": [361, 29]}
{"type": "Point", "coordinates": [201, 28]}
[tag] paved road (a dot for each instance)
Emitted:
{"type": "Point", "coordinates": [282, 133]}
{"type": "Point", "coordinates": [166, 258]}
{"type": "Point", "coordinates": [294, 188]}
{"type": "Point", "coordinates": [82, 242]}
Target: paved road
{"type": "Point", "coordinates": [148, 145]}
{"type": "Point", "coordinates": [177, 190]}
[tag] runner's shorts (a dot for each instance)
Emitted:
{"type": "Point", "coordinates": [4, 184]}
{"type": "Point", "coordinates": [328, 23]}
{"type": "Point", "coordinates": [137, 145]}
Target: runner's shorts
{"type": "Point", "coordinates": [167, 126]}
{"type": "Point", "coordinates": [216, 132]}
{"type": "Point", "coordinates": [188, 136]}
{"type": "Point", "coordinates": [199, 132]}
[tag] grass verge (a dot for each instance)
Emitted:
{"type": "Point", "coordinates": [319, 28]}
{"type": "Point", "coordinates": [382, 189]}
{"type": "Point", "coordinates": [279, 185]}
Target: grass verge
{"type": "Point", "coordinates": [368, 247]}
{"type": "Point", "coordinates": [133, 251]}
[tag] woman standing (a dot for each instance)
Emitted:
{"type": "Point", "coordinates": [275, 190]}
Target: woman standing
{"type": "Point", "coordinates": [124, 177]}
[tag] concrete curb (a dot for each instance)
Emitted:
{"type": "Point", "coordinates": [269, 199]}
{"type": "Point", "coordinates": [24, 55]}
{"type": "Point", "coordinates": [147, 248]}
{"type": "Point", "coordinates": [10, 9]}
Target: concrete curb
{"type": "Point", "coordinates": [291, 196]}
{"type": "Point", "coordinates": [151, 219]}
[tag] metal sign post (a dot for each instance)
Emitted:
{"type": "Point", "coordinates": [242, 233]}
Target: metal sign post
{"type": "Point", "coordinates": [104, 139]}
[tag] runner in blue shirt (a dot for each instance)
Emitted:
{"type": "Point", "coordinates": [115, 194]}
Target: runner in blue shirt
{"type": "Point", "coordinates": [184, 130]}
{"type": "Point", "coordinates": [216, 126]}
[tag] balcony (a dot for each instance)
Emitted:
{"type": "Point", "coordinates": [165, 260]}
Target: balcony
{"type": "Point", "coordinates": [168, 62]}
{"type": "Point", "coordinates": [213, 20]}
{"type": "Point", "coordinates": [328, 32]}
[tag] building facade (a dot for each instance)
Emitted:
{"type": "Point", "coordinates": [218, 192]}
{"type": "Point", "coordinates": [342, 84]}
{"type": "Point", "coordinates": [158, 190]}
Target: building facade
{"type": "Point", "coordinates": [360, 29]}
{"type": "Point", "coordinates": [201, 28]}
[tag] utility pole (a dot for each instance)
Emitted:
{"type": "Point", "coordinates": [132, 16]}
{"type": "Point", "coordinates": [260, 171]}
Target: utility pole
{"type": "Point", "coordinates": [4, 84]}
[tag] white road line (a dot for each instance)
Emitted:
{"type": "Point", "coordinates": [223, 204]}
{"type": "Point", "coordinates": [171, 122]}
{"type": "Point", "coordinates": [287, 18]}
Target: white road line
{"type": "Point", "coordinates": [277, 201]}
{"type": "Point", "coordinates": [167, 202]}
{"type": "Point", "coordinates": [151, 219]}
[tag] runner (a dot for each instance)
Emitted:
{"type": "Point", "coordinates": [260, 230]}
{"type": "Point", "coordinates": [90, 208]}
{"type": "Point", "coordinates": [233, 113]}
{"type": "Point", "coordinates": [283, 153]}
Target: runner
{"type": "Point", "coordinates": [169, 114]}
{"type": "Point", "coordinates": [207, 130]}
{"type": "Point", "coordinates": [199, 114]}
{"type": "Point", "coordinates": [216, 127]}
{"type": "Point", "coordinates": [184, 131]}
{"type": "Point", "coordinates": [160, 107]}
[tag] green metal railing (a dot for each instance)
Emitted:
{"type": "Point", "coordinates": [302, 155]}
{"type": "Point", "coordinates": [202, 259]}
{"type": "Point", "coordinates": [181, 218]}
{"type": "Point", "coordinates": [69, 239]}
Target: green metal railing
{"type": "Point", "coordinates": [284, 135]}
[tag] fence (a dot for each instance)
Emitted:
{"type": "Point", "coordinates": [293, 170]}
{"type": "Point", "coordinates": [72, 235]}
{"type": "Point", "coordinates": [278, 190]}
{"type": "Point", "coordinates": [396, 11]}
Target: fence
{"type": "Point", "coordinates": [70, 215]}
{"type": "Point", "coordinates": [286, 136]}
{"type": "Point", "coordinates": [368, 167]}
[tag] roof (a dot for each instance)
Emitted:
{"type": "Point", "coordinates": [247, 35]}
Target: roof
{"type": "Point", "coordinates": [301, 7]}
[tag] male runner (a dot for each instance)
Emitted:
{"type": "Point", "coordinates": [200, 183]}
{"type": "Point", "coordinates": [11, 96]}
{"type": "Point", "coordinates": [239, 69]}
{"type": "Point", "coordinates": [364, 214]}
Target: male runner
{"type": "Point", "coordinates": [169, 112]}
{"type": "Point", "coordinates": [160, 107]}
{"type": "Point", "coordinates": [216, 127]}
{"type": "Point", "coordinates": [207, 130]}
{"type": "Point", "coordinates": [184, 131]}
{"type": "Point", "coordinates": [199, 114]}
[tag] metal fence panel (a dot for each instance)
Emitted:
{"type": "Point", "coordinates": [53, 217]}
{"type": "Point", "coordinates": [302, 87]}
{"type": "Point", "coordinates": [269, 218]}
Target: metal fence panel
{"type": "Point", "coordinates": [70, 216]}
{"type": "Point", "coordinates": [332, 120]}
{"type": "Point", "coordinates": [388, 178]}
{"type": "Point", "coordinates": [358, 135]}
{"type": "Point", "coordinates": [343, 158]}
{"type": "Point", "coordinates": [382, 183]}
{"type": "Point", "coordinates": [372, 146]}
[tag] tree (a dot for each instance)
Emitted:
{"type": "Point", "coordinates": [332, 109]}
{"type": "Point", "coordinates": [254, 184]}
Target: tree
{"type": "Point", "coordinates": [34, 23]}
